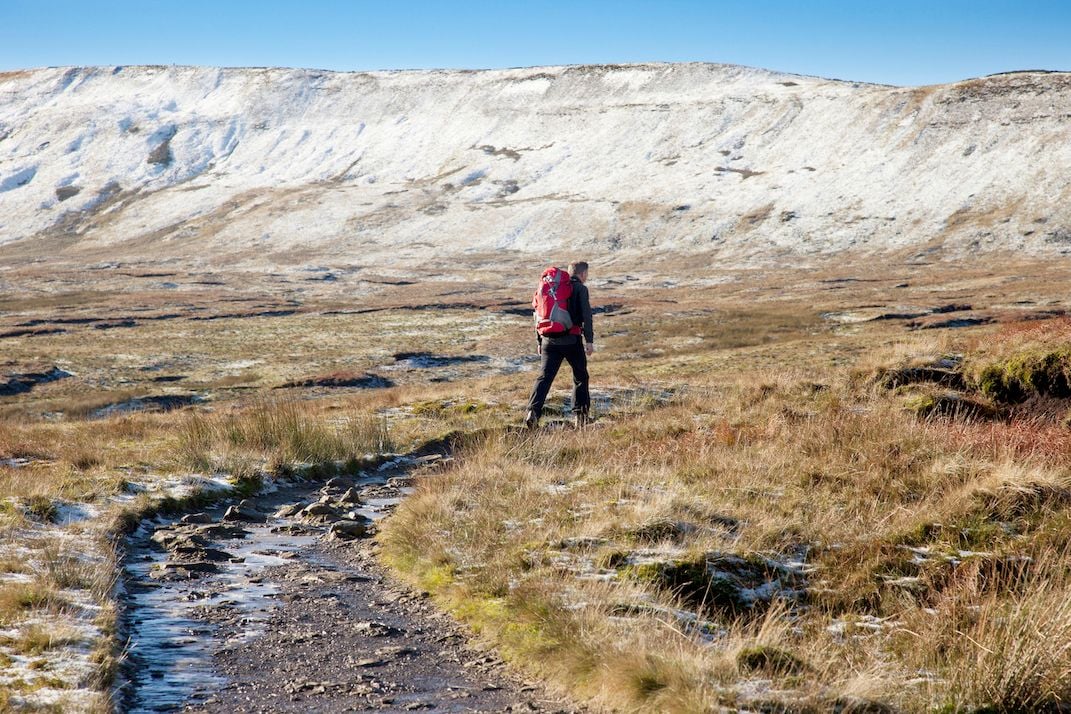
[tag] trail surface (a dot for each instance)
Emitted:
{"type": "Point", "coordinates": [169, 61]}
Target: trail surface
{"type": "Point", "coordinates": [282, 607]}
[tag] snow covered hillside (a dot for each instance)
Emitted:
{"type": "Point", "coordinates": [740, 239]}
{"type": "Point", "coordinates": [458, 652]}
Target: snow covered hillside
{"type": "Point", "coordinates": [277, 166]}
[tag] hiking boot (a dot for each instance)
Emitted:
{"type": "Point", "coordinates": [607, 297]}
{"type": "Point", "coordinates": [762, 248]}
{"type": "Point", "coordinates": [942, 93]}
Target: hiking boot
{"type": "Point", "coordinates": [531, 421]}
{"type": "Point", "coordinates": [581, 419]}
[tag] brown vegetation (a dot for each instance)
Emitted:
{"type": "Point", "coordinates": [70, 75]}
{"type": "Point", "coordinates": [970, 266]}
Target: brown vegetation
{"type": "Point", "coordinates": [774, 509]}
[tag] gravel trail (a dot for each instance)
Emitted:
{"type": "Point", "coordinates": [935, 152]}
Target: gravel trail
{"type": "Point", "coordinates": [280, 605]}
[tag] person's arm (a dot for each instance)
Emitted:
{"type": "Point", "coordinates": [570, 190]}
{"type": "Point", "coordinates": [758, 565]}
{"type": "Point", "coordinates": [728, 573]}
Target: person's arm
{"type": "Point", "coordinates": [539, 344]}
{"type": "Point", "coordinates": [585, 310]}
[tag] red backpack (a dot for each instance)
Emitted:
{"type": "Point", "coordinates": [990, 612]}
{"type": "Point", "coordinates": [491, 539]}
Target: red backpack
{"type": "Point", "coordinates": [551, 303]}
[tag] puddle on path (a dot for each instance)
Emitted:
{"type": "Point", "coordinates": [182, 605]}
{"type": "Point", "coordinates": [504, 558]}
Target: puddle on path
{"type": "Point", "coordinates": [169, 623]}
{"type": "Point", "coordinates": [170, 646]}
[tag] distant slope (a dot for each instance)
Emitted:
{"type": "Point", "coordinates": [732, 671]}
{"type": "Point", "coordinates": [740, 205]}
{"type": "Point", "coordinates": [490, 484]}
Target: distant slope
{"type": "Point", "coordinates": [279, 166]}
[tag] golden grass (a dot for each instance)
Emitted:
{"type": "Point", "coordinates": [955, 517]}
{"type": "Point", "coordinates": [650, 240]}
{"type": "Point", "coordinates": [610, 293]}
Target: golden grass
{"type": "Point", "coordinates": [890, 512]}
{"type": "Point", "coordinates": [743, 423]}
{"type": "Point", "coordinates": [278, 433]}
{"type": "Point", "coordinates": [37, 639]}
{"type": "Point", "coordinates": [19, 598]}
{"type": "Point", "coordinates": [61, 570]}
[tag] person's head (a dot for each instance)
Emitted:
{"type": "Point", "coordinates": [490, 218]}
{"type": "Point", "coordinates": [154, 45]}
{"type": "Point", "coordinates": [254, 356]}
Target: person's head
{"type": "Point", "coordinates": [579, 270]}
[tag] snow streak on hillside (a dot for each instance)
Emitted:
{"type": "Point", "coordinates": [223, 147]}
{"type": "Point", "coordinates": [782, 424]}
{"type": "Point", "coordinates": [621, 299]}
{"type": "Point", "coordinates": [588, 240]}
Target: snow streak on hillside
{"type": "Point", "coordinates": [278, 165]}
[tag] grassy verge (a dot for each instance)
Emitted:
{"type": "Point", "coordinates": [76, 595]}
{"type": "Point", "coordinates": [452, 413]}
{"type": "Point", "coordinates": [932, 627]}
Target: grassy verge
{"type": "Point", "coordinates": [800, 539]}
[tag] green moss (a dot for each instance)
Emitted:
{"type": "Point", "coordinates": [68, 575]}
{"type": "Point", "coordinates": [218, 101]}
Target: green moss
{"type": "Point", "coordinates": [445, 407]}
{"type": "Point", "coordinates": [992, 382]}
{"type": "Point", "coordinates": [480, 611]}
{"type": "Point", "coordinates": [647, 572]}
{"type": "Point", "coordinates": [528, 638]}
{"type": "Point", "coordinates": [437, 578]}
{"type": "Point", "coordinates": [898, 377]}
{"type": "Point", "coordinates": [431, 408]}
{"type": "Point", "coordinates": [951, 405]}
{"type": "Point", "coordinates": [918, 535]}
{"type": "Point", "coordinates": [921, 404]}
{"type": "Point", "coordinates": [1045, 373]}
{"type": "Point", "coordinates": [974, 531]}
{"type": "Point", "coordinates": [981, 533]}
{"type": "Point", "coordinates": [41, 507]}
{"type": "Point", "coordinates": [659, 530]}
{"type": "Point", "coordinates": [248, 484]}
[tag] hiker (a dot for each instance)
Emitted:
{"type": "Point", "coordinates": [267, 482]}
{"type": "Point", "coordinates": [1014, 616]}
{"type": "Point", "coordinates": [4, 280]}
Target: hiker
{"type": "Point", "coordinates": [563, 334]}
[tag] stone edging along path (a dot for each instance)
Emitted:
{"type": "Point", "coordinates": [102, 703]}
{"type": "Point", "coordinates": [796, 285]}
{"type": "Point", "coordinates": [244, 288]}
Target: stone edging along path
{"type": "Point", "coordinates": [278, 604]}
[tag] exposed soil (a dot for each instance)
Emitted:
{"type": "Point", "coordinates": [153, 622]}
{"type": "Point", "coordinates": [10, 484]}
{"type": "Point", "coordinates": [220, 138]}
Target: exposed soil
{"type": "Point", "coordinates": [153, 403]}
{"type": "Point", "coordinates": [360, 380]}
{"type": "Point", "coordinates": [31, 333]}
{"type": "Point", "coordinates": [17, 383]}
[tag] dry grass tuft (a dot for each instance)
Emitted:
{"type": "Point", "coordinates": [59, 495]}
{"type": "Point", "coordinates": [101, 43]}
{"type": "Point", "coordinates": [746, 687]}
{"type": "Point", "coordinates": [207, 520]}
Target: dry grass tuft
{"type": "Point", "coordinates": [1007, 635]}
{"type": "Point", "coordinates": [276, 433]}
{"type": "Point", "coordinates": [18, 598]}
{"type": "Point", "coordinates": [62, 571]}
{"type": "Point", "coordinates": [36, 639]}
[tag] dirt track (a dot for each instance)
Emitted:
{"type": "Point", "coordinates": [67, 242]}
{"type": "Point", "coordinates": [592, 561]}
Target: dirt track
{"type": "Point", "coordinates": [318, 626]}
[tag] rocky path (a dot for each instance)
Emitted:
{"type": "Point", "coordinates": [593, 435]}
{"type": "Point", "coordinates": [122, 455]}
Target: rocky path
{"type": "Point", "coordinates": [279, 605]}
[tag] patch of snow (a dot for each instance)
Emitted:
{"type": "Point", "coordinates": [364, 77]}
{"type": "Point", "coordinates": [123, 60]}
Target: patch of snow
{"type": "Point", "coordinates": [907, 581]}
{"type": "Point", "coordinates": [240, 364]}
{"type": "Point", "coordinates": [70, 512]}
{"type": "Point", "coordinates": [860, 625]}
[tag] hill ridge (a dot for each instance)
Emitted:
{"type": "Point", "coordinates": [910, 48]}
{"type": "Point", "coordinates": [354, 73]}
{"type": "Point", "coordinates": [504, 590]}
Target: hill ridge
{"type": "Point", "coordinates": [222, 164]}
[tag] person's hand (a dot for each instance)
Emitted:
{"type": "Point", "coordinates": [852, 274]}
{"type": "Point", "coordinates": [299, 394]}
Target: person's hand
{"type": "Point", "coordinates": [539, 350]}
{"type": "Point", "coordinates": [589, 349]}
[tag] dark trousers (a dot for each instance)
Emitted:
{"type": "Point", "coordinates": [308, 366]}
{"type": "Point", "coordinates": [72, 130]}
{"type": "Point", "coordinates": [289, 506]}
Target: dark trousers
{"type": "Point", "coordinates": [553, 355]}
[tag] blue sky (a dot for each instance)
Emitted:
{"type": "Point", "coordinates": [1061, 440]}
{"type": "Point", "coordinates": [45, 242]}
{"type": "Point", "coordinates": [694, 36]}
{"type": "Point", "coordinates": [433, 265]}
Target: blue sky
{"type": "Point", "coordinates": [896, 42]}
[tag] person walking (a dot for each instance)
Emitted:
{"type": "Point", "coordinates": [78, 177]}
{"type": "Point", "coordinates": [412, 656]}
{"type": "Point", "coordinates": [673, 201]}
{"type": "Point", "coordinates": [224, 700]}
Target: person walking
{"type": "Point", "coordinates": [573, 345]}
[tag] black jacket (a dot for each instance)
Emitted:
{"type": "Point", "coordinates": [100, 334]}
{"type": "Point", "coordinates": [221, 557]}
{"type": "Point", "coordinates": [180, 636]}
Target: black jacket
{"type": "Point", "coordinates": [580, 311]}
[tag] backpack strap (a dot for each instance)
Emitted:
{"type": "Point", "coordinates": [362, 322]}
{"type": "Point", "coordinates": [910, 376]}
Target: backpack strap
{"type": "Point", "coordinates": [574, 308]}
